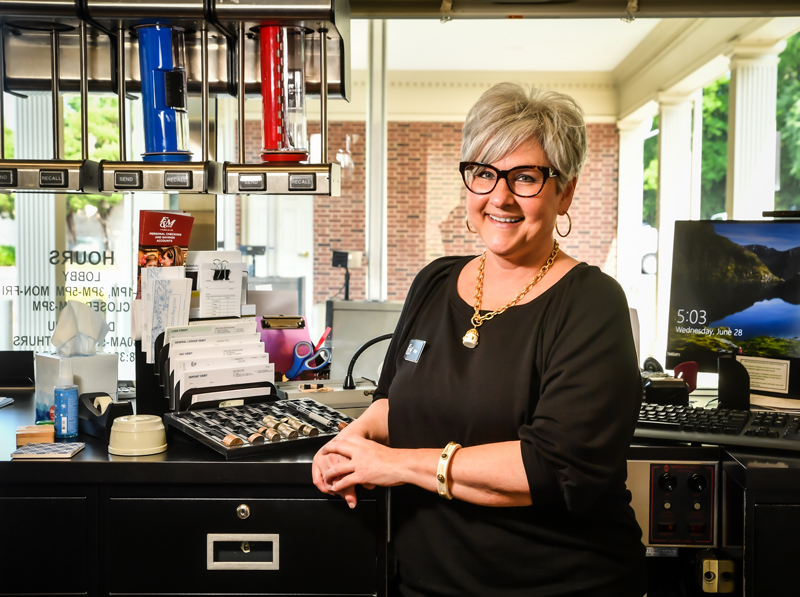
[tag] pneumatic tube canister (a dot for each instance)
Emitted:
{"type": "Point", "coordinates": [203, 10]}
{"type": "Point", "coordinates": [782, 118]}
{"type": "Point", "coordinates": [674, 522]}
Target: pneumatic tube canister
{"type": "Point", "coordinates": [164, 106]}
{"type": "Point", "coordinates": [285, 136]}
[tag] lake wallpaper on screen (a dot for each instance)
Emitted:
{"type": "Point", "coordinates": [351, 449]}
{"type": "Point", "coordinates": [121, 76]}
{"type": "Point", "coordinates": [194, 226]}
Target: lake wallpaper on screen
{"type": "Point", "coordinates": [735, 290]}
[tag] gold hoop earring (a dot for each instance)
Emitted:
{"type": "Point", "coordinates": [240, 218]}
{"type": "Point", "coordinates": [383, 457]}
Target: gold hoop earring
{"type": "Point", "coordinates": [466, 219]}
{"type": "Point", "coordinates": [570, 227]}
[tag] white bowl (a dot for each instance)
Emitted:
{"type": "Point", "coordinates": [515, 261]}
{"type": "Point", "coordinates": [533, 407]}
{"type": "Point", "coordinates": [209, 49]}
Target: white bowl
{"type": "Point", "coordinates": [137, 435]}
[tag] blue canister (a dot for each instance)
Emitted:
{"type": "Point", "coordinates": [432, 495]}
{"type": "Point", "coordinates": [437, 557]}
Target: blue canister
{"type": "Point", "coordinates": [164, 107]}
{"type": "Point", "coordinates": [65, 395]}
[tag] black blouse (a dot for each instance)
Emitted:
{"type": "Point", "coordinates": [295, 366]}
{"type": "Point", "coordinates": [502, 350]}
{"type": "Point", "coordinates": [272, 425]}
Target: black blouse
{"type": "Point", "coordinates": [559, 374]}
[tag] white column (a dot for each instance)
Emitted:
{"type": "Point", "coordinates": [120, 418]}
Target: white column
{"type": "Point", "coordinates": [225, 120]}
{"type": "Point", "coordinates": [697, 155]}
{"type": "Point", "coordinates": [41, 225]}
{"type": "Point", "coordinates": [674, 197]}
{"type": "Point", "coordinates": [751, 131]}
{"type": "Point", "coordinates": [376, 163]}
{"type": "Point", "coordinates": [629, 205]}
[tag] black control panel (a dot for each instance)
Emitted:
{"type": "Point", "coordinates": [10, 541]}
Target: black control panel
{"type": "Point", "coordinates": [682, 504]}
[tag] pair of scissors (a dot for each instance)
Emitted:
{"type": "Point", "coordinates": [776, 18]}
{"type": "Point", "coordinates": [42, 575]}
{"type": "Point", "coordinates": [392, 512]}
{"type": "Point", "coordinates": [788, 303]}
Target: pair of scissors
{"type": "Point", "coordinates": [308, 360]}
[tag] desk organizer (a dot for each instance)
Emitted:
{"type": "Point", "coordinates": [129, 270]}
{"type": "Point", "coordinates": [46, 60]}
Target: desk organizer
{"type": "Point", "coordinates": [234, 431]}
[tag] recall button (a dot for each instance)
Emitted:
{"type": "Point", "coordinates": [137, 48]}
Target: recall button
{"type": "Point", "coordinates": [128, 179]}
{"type": "Point", "coordinates": [53, 178]}
{"type": "Point", "coordinates": [252, 182]}
{"type": "Point", "coordinates": [8, 178]}
{"type": "Point", "coordinates": [178, 180]}
{"type": "Point", "coordinates": [302, 182]}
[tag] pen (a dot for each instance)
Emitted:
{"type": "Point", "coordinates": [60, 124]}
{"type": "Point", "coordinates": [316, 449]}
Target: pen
{"type": "Point", "coordinates": [316, 417]}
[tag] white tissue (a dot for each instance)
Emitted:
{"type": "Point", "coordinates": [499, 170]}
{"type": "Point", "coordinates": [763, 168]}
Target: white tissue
{"type": "Point", "coordinates": [79, 330]}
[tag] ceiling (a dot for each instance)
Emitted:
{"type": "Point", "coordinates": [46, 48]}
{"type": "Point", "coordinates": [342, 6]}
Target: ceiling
{"type": "Point", "coordinates": [558, 9]}
{"type": "Point", "coordinates": [552, 45]}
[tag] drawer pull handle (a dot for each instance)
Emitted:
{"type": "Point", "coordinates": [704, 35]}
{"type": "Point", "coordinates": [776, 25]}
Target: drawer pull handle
{"type": "Point", "coordinates": [243, 511]}
{"type": "Point", "coordinates": [242, 551]}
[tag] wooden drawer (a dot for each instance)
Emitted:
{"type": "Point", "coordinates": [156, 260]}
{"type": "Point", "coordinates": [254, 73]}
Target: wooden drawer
{"type": "Point", "coordinates": [45, 545]}
{"type": "Point", "coordinates": [304, 546]}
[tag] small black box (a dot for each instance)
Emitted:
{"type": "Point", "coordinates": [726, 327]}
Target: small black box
{"type": "Point", "coordinates": [666, 391]}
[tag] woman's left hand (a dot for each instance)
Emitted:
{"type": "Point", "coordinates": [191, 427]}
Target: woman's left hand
{"type": "Point", "coordinates": [365, 462]}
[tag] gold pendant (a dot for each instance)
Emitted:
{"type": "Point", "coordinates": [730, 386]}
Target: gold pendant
{"type": "Point", "coordinates": [470, 339]}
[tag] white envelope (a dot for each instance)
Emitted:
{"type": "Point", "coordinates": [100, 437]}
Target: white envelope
{"type": "Point", "coordinates": [225, 378]}
{"type": "Point", "coordinates": [218, 351]}
{"type": "Point", "coordinates": [215, 328]}
{"type": "Point", "coordinates": [193, 364]}
{"type": "Point", "coordinates": [214, 340]}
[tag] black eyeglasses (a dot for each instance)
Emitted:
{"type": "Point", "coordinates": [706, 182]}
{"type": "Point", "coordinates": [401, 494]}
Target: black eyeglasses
{"type": "Point", "coordinates": [523, 181]}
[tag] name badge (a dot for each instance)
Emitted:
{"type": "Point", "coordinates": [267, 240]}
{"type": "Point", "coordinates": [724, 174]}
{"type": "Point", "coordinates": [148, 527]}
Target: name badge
{"type": "Point", "coordinates": [414, 350]}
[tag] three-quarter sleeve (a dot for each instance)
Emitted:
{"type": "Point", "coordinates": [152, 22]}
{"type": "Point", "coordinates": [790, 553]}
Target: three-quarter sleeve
{"type": "Point", "coordinates": [590, 393]}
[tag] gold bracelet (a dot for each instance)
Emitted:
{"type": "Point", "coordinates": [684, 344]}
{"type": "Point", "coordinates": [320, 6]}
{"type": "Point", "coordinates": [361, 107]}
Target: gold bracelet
{"type": "Point", "coordinates": [442, 470]}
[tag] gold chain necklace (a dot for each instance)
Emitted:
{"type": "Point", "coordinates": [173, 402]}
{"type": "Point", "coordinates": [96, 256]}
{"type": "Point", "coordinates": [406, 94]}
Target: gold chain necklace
{"type": "Point", "coordinates": [470, 339]}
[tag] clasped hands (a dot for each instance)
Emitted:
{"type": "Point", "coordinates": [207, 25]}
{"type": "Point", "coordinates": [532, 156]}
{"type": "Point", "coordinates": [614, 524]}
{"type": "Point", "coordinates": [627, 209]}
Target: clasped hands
{"type": "Point", "coordinates": [349, 460]}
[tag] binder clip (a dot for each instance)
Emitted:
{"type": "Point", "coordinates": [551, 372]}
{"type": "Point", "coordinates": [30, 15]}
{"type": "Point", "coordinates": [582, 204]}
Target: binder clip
{"type": "Point", "coordinates": [282, 322]}
{"type": "Point", "coordinates": [221, 271]}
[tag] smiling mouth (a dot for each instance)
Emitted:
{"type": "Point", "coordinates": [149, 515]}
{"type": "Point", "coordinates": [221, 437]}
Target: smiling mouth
{"type": "Point", "coordinates": [505, 220]}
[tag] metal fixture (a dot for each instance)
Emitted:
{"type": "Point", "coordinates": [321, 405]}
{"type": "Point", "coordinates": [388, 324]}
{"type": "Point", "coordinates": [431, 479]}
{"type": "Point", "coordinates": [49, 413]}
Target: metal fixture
{"type": "Point", "coordinates": [154, 176]}
{"type": "Point", "coordinates": [56, 175]}
{"type": "Point", "coordinates": [62, 35]}
{"type": "Point", "coordinates": [280, 177]}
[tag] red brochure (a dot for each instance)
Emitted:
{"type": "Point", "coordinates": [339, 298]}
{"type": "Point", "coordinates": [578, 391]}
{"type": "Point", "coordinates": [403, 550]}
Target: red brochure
{"type": "Point", "coordinates": [163, 240]}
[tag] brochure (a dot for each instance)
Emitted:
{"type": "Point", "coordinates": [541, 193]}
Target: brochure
{"type": "Point", "coordinates": [163, 240]}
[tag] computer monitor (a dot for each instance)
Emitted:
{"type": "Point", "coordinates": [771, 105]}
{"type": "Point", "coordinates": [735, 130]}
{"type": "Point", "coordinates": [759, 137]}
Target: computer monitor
{"type": "Point", "coordinates": [735, 291]}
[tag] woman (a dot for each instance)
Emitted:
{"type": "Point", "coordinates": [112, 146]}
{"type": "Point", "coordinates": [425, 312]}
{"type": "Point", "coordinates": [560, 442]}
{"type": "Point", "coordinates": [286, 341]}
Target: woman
{"type": "Point", "coordinates": [172, 256]}
{"type": "Point", "coordinates": [529, 364]}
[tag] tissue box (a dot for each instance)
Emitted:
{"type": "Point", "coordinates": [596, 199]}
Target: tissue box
{"type": "Point", "coordinates": [95, 373]}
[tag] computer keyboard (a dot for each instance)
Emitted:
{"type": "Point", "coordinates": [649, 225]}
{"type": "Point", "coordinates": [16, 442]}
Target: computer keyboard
{"type": "Point", "coordinates": [723, 427]}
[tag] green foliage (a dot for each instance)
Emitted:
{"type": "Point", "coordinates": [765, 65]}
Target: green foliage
{"type": "Point", "coordinates": [768, 346]}
{"type": "Point", "coordinates": [8, 255]}
{"type": "Point", "coordinates": [788, 120]}
{"type": "Point", "coordinates": [715, 147]}
{"type": "Point", "coordinates": [7, 201]}
{"type": "Point", "coordinates": [103, 128]}
{"type": "Point", "coordinates": [760, 346]}
{"type": "Point", "coordinates": [650, 177]}
{"type": "Point", "coordinates": [8, 139]}
{"type": "Point", "coordinates": [715, 141]}
{"type": "Point", "coordinates": [690, 343]}
{"type": "Point", "coordinates": [7, 206]}
{"type": "Point", "coordinates": [103, 145]}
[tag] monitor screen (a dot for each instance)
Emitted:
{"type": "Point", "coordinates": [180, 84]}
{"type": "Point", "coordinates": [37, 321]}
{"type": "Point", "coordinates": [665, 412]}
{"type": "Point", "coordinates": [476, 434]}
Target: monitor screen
{"type": "Point", "coordinates": [736, 291]}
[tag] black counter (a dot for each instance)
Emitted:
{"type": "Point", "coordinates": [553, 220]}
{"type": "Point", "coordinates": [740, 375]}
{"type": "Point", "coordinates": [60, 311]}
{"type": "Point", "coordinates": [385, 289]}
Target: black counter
{"type": "Point", "coordinates": [186, 521]}
{"type": "Point", "coordinates": [195, 462]}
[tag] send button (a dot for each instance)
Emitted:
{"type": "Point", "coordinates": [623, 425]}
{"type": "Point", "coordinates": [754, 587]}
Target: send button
{"type": "Point", "coordinates": [8, 178]}
{"type": "Point", "coordinates": [128, 179]}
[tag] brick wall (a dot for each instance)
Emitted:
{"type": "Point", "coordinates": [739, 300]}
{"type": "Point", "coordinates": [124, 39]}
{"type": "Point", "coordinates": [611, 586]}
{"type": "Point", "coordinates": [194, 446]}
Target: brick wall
{"type": "Point", "coordinates": [594, 208]}
{"type": "Point", "coordinates": [426, 203]}
{"type": "Point", "coordinates": [340, 222]}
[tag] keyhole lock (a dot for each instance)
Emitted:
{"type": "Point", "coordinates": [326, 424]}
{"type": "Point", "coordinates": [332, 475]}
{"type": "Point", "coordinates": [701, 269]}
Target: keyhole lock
{"type": "Point", "coordinates": [243, 511]}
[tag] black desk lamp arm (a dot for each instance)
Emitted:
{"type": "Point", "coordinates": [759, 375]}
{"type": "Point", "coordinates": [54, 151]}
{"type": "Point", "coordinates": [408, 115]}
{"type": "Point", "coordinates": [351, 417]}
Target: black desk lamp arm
{"type": "Point", "coordinates": [349, 384]}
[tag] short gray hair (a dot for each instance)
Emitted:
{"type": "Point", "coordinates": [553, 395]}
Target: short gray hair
{"type": "Point", "coordinates": [509, 115]}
